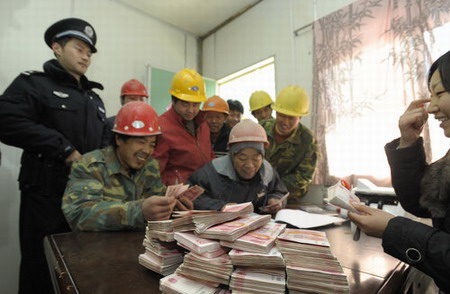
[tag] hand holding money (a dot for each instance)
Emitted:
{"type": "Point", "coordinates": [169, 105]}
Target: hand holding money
{"type": "Point", "coordinates": [274, 204]}
{"type": "Point", "coordinates": [183, 203]}
{"type": "Point", "coordinates": [342, 197]}
{"type": "Point", "coordinates": [192, 193]}
{"type": "Point", "coordinates": [372, 221]}
{"type": "Point", "coordinates": [158, 207]}
{"type": "Point", "coordinates": [180, 190]}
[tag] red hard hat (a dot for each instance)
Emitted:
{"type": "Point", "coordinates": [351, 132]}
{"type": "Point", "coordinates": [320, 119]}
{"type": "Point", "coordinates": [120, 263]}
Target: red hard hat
{"type": "Point", "coordinates": [248, 131]}
{"type": "Point", "coordinates": [133, 87]}
{"type": "Point", "coordinates": [137, 119]}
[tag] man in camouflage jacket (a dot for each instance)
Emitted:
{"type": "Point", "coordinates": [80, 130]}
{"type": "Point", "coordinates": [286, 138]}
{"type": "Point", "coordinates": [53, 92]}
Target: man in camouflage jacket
{"type": "Point", "coordinates": [293, 150]}
{"type": "Point", "coordinates": [115, 188]}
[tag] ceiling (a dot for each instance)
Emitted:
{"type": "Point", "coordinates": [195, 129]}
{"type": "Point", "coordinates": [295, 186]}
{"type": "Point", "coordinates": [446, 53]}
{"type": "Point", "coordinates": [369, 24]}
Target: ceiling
{"type": "Point", "coordinates": [198, 17]}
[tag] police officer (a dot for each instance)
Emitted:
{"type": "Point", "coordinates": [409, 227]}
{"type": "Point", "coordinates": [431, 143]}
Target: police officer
{"type": "Point", "coordinates": [54, 116]}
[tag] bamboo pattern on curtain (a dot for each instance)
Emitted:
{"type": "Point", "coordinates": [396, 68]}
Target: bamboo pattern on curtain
{"type": "Point", "coordinates": [361, 52]}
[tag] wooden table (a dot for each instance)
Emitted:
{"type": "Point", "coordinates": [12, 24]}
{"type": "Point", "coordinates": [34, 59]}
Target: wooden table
{"type": "Point", "coordinates": [107, 262]}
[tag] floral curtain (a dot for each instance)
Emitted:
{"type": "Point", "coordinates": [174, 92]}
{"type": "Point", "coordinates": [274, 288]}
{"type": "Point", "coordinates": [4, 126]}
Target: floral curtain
{"type": "Point", "coordinates": [370, 61]}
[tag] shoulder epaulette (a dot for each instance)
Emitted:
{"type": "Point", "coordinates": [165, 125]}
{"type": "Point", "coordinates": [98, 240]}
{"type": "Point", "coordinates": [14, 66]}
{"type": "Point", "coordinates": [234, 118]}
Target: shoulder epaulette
{"type": "Point", "coordinates": [31, 72]}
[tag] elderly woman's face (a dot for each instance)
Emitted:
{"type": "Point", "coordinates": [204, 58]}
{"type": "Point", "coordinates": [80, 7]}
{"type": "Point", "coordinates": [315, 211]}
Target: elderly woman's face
{"type": "Point", "coordinates": [247, 163]}
{"type": "Point", "coordinates": [440, 102]}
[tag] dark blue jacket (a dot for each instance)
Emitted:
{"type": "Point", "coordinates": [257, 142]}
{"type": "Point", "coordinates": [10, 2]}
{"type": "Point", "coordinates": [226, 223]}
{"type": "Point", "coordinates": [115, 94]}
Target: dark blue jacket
{"type": "Point", "coordinates": [49, 115]}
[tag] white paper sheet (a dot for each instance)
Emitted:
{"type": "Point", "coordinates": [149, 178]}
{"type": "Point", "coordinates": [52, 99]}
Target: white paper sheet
{"type": "Point", "coordinates": [304, 220]}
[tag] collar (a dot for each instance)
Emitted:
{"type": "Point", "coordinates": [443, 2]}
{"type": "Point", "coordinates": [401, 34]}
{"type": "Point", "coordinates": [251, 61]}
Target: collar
{"type": "Point", "coordinates": [200, 118]}
{"type": "Point", "coordinates": [224, 166]}
{"type": "Point", "coordinates": [54, 69]}
{"type": "Point", "coordinates": [112, 163]}
{"type": "Point", "coordinates": [293, 138]}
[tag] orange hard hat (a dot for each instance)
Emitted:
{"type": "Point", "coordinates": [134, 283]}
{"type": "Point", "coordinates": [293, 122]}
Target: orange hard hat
{"type": "Point", "coordinates": [217, 104]}
{"type": "Point", "coordinates": [248, 131]}
{"type": "Point", "coordinates": [133, 87]}
{"type": "Point", "coordinates": [137, 119]}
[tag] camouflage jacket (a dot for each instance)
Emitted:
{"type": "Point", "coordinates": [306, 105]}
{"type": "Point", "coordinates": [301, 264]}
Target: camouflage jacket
{"type": "Point", "coordinates": [101, 196]}
{"type": "Point", "coordinates": [294, 159]}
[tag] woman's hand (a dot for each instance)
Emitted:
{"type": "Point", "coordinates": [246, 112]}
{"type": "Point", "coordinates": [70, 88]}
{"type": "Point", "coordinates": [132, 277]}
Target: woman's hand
{"type": "Point", "coordinates": [371, 221]}
{"type": "Point", "coordinates": [273, 206]}
{"type": "Point", "coordinates": [412, 121]}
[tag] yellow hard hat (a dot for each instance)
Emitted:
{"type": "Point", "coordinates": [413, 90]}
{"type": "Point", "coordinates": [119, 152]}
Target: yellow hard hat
{"type": "Point", "coordinates": [292, 101]}
{"type": "Point", "coordinates": [188, 85]}
{"type": "Point", "coordinates": [259, 99]}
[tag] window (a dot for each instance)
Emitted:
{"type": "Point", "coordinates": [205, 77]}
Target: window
{"type": "Point", "coordinates": [371, 60]}
{"type": "Point", "coordinates": [240, 85]}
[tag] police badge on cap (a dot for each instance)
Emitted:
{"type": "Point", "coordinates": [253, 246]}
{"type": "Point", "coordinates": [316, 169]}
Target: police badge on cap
{"type": "Point", "coordinates": [71, 27]}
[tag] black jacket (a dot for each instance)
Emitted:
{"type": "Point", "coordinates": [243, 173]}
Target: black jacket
{"type": "Point", "coordinates": [423, 190]}
{"type": "Point", "coordinates": [110, 125]}
{"type": "Point", "coordinates": [220, 146]}
{"type": "Point", "coordinates": [49, 115]}
{"type": "Point", "coordinates": [222, 185]}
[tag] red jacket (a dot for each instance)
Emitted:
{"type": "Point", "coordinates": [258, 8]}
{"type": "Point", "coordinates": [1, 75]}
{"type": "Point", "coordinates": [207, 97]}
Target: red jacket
{"type": "Point", "coordinates": [180, 153]}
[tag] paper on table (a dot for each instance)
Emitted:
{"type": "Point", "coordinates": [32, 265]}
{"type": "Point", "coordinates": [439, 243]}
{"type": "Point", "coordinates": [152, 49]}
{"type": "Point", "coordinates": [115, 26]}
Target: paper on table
{"type": "Point", "coordinates": [304, 220]}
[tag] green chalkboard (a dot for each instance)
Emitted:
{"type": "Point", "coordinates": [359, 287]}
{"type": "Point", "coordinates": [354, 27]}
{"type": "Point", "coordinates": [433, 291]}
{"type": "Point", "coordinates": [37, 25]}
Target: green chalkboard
{"type": "Point", "coordinates": [160, 84]}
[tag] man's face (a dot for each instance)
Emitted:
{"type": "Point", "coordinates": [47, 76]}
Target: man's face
{"type": "Point", "coordinates": [215, 121]}
{"type": "Point", "coordinates": [75, 56]}
{"type": "Point", "coordinates": [234, 117]}
{"type": "Point", "coordinates": [134, 152]}
{"type": "Point", "coordinates": [262, 113]}
{"type": "Point", "coordinates": [133, 98]}
{"type": "Point", "coordinates": [247, 163]}
{"type": "Point", "coordinates": [286, 124]}
{"type": "Point", "coordinates": [187, 110]}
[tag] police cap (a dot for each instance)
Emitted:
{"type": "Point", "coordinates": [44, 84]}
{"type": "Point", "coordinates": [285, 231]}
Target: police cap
{"type": "Point", "coordinates": [71, 27]}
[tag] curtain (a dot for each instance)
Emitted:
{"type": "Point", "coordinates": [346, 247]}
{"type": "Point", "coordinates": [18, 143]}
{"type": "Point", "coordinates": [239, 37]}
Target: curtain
{"type": "Point", "coordinates": [370, 61]}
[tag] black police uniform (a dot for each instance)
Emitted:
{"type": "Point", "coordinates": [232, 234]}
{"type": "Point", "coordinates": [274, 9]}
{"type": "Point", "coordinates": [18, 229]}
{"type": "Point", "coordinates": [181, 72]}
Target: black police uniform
{"type": "Point", "coordinates": [49, 115]}
{"type": "Point", "coordinates": [110, 135]}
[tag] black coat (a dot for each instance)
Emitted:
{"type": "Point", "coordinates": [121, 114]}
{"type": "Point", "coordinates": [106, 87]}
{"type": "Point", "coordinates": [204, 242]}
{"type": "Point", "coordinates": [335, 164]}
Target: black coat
{"type": "Point", "coordinates": [423, 190]}
{"type": "Point", "coordinates": [109, 133]}
{"type": "Point", "coordinates": [222, 185]}
{"type": "Point", "coordinates": [49, 115]}
{"type": "Point", "coordinates": [220, 146]}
